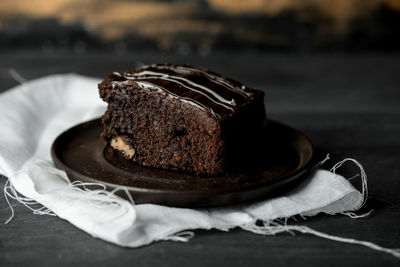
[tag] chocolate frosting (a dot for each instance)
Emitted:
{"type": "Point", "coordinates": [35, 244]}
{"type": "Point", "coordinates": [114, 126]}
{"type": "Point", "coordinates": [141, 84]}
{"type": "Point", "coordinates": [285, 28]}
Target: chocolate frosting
{"type": "Point", "coordinates": [201, 88]}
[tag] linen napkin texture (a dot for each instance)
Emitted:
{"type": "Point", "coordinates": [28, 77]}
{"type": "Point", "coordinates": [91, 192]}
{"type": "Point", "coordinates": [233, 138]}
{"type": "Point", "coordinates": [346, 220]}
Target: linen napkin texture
{"type": "Point", "coordinates": [34, 113]}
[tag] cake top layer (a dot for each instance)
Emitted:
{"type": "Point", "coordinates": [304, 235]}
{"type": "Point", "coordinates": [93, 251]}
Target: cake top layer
{"type": "Point", "coordinates": [201, 88]}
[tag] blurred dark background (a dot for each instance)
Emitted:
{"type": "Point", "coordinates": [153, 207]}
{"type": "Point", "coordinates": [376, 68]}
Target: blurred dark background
{"type": "Point", "coordinates": [199, 26]}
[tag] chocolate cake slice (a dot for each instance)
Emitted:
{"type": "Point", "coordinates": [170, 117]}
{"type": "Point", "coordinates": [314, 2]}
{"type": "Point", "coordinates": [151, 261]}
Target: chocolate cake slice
{"type": "Point", "coordinates": [178, 117]}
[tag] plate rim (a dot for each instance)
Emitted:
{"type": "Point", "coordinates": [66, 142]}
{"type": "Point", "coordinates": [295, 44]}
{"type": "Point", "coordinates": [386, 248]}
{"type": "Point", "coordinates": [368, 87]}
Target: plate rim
{"type": "Point", "coordinates": [58, 162]}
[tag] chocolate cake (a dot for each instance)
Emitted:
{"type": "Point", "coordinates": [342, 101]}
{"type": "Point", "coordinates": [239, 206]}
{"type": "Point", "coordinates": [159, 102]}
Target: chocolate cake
{"type": "Point", "coordinates": [178, 117]}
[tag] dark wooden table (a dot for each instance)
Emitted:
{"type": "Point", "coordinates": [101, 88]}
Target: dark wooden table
{"type": "Point", "coordinates": [348, 105]}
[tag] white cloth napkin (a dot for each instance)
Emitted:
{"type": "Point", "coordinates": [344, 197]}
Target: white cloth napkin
{"type": "Point", "coordinates": [33, 114]}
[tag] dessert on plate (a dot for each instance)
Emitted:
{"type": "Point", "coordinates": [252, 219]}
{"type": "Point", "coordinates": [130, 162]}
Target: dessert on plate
{"type": "Point", "coordinates": [182, 118]}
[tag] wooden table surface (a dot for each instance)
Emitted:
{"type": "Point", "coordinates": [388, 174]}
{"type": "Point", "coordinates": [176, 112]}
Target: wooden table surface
{"type": "Point", "coordinates": [349, 105]}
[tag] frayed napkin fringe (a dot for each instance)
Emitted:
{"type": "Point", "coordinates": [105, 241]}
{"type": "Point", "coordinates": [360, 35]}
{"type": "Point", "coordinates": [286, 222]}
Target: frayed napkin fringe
{"type": "Point", "coordinates": [278, 226]}
{"type": "Point", "coordinates": [273, 228]}
{"type": "Point", "coordinates": [101, 197]}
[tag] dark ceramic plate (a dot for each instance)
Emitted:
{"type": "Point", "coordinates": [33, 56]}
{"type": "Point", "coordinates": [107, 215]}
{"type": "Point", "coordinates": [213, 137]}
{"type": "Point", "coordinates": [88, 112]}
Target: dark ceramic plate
{"type": "Point", "coordinates": [286, 159]}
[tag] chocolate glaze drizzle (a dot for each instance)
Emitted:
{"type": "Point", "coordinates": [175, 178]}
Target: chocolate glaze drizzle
{"type": "Point", "coordinates": [200, 88]}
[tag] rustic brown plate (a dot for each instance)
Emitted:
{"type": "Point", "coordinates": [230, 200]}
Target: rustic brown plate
{"type": "Point", "coordinates": [286, 158]}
